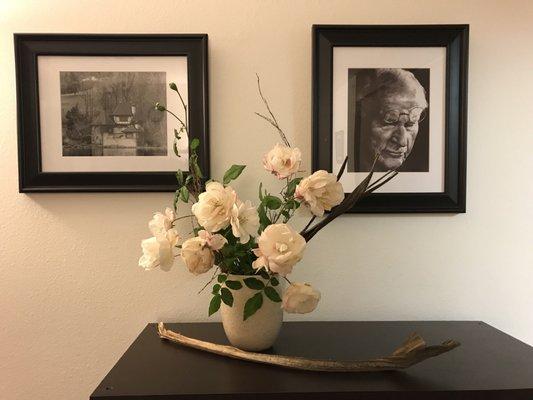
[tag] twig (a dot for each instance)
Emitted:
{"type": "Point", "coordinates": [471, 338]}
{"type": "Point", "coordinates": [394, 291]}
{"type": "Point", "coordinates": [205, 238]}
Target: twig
{"type": "Point", "coordinates": [211, 280]}
{"type": "Point", "coordinates": [183, 216]}
{"type": "Point", "coordinates": [411, 352]}
{"type": "Point", "coordinates": [273, 121]}
{"type": "Point", "coordinates": [274, 125]}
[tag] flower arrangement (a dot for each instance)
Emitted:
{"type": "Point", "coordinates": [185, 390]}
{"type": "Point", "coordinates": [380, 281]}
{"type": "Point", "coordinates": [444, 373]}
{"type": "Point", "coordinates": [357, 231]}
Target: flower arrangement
{"type": "Point", "coordinates": [235, 237]}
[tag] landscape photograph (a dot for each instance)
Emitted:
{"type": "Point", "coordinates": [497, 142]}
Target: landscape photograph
{"type": "Point", "coordinates": [113, 114]}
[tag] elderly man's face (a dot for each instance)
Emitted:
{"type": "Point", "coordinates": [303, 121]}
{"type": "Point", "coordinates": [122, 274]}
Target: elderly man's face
{"type": "Point", "coordinates": [393, 127]}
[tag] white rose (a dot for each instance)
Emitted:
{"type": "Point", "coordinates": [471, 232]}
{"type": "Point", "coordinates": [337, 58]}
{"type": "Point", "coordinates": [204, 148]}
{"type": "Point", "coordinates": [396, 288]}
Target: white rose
{"type": "Point", "coordinates": [161, 223]}
{"type": "Point", "coordinates": [283, 161]}
{"type": "Point", "coordinates": [197, 255]}
{"type": "Point", "coordinates": [213, 209]}
{"type": "Point", "coordinates": [244, 221]}
{"type": "Point", "coordinates": [300, 298]}
{"type": "Point", "coordinates": [159, 250]}
{"type": "Point", "coordinates": [320, 192]}
{"type": "Point", "coordinates": [215, 242]}
{"type": "Point", "coordinates": [280, 248]}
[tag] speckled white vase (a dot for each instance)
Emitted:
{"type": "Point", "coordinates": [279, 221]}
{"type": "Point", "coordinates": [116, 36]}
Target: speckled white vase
{"type": "Point", "coordinates": [260, 331]}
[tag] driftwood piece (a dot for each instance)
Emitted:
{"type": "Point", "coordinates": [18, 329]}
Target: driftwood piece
{"type": "Point", "coordinates": [413, 351]}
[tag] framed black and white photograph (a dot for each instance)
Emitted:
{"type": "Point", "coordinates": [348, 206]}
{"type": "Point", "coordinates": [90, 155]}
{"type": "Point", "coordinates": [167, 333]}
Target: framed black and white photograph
{"type": "Point", "coordinates": [399, 92]}
{"type": "Point", "coordinates": [86, 114]}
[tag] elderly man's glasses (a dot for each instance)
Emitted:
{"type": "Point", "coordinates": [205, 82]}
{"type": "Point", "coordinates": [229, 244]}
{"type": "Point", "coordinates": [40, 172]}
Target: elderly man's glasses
{"type": "Point", "coordinates": [413, 116]}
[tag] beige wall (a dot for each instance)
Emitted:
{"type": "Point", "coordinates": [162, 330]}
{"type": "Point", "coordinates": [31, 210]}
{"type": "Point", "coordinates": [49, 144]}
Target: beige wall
{"type": "Point", "coordinates": [71, 295]}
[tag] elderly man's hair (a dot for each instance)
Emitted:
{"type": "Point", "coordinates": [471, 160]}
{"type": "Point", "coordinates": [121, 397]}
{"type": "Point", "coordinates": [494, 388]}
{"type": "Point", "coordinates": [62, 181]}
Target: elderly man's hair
{"type": "Point", "coordinates": [384, 82]}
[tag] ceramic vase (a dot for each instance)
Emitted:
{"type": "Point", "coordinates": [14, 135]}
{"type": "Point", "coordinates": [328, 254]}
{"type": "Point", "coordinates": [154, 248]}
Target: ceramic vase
{"type": "Point", "coordinates": [259, 331]}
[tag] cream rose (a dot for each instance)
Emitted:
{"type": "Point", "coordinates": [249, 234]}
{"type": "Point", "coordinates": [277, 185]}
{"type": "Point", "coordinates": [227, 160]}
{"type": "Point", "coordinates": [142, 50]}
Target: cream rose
{"type": "Point", "coordinates": [300, 298]}
{"type": "Point", "coordinates": [320, 192]}
{"type": "Point", "coordinates": [244, 221]}
{"type": "Point", "coordinates": [214, 241]}
{"type": "Point", "coordinates": [213, 209]}
{"type": "Point", "coordinates": [161, 223]}
{"type": "Point", "coordinates": [159, 250]}
{"type": "Point", "coordinates": [197, 255]}
{"type": "Point", "coordinates": [280, 248]}
{"type": "Point", "coordinates": [283, 161]}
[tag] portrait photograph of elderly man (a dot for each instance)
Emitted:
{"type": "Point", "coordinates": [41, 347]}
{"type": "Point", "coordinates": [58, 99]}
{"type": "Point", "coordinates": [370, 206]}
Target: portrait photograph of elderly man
{"type": "Point", "coordinates": [388, 115]}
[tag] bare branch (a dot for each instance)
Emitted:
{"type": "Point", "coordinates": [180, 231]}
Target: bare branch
{"type": "Point", "coordinates": [308, 224]}
{"type": "Point", "coordinates": [381, 178]}
{"type": "Point", "coordinates": [413, 351]}
{"type": "Point", "coordinates": [348, 202]}
{"type": "Point", "coordinates": [343, 167]}
{"type": "Point", "coordinates": [339, 175]}
{"type": "Point", "coordinates": [273, 119]}
{"type": "Point", "coordinates": [377, 185]}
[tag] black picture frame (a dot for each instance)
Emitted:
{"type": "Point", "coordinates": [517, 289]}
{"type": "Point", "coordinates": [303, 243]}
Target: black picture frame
{"type": "Point", "coordinates": [455, 39]}
{"type": "Point", "coordinates": [29, 46]}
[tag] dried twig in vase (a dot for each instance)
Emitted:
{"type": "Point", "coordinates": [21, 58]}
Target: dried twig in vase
{"type": "Point", "coordinates": [412, 352]}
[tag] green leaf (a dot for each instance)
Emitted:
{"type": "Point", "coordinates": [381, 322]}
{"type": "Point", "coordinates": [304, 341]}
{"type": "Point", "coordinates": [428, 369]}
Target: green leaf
{"type": "Point", "coordinates": [176, 152]}
{"type": "Point", "coordinates": [222, 278]}
{"type": "Point", "coordinates": [178, 133]}
{"type": "Point", "coordinates": [264, 274]}
{"type": "Point", "coordinates": [195, 143]}
{"type": "Point", "coordinates": [234, 285]}
{"type": "Point", "coordinates": [291, 187]}
{"type": "Point", "coordinates": [228, 251]}
{"type": "Point", "coordinates": [263, 218]}
{"type": "Point", "coordinates": [272, 294]}
{"type": "Point", "coordinates": [227, 297]}
{"type": "Point", "coordinates": [254, 283]}
{"type": "Point", "coordinates": [253, 304]}
{"type": "Point", "coordinates": [261, 191]}
{"type": "Point", "coordinates": [229, 262]}
{"type": "Point", "coordinates": [232, 173]}
{"type": "Point", "coordinates": [272, 202]}
{"type": "Point", "coordinates": [292, 204]}
{"type": "Point", "coordinates": [274, 281]}
{"type": "Point", "coordinates": [179, 177]}
{"type": "Point", "coordinates": [216, 288]}
{"type": "Point", "coordinates": [184, 194]}
{"type": "Point", "coordinates": [214, 305]}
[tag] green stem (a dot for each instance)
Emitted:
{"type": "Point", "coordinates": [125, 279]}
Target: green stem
{"type": "Point", "coordinates": [180, 120]}
{"type": "Point", "coordinates": [279, 213]}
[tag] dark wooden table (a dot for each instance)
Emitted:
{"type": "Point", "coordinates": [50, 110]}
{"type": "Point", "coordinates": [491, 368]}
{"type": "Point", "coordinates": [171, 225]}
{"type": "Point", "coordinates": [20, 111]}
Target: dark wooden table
{"type": "Point", "coordinates": [488, 365]}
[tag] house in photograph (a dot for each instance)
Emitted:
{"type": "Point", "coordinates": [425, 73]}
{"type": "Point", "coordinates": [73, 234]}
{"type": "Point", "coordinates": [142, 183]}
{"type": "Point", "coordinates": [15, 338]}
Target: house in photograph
{"type": "Point", "coordinates": [119, 129]}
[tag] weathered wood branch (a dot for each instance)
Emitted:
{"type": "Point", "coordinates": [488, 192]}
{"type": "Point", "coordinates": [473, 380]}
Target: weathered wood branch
{"type": "Point", "coordinates": [413, 351]}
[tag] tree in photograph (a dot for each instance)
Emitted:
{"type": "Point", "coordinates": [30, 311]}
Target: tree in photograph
{"type": "Point", "coordinates": [77, 124]}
